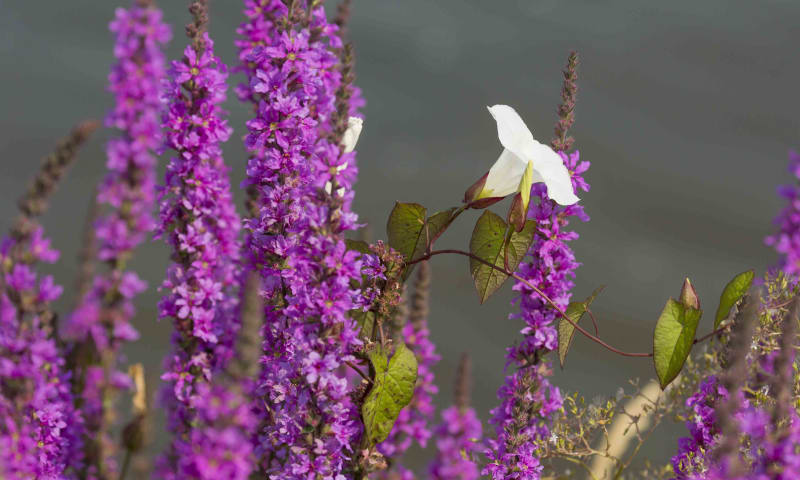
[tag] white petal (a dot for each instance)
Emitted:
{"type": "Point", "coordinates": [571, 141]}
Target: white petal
{"type": "Point", "coordinates": [504, 176]}
{"type": "Point", "coordinates": [550, 167]}
{"type": "Point", "coordinates": [328, 187]}
{"type": "Point", "coordinates": [514, 135]}
{"type": "Point", "coordinates": [350, 137]}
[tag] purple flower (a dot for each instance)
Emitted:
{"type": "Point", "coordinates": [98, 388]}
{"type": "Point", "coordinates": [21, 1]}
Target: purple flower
{"type": "Point", "coordinates": [101, 321]}
{"type": "Point", "coordinates": [39, 427]}
{"type": "Point", "coordinates": [550, 266]}
{"type": "Point", "coordinates": [199, 222]}
{"type": "Point", "coordinates": [296, 241]}
{"type": "Point", "coordinates": [787, 240]}
{"type": "Point", "coordinates": [456, 443]}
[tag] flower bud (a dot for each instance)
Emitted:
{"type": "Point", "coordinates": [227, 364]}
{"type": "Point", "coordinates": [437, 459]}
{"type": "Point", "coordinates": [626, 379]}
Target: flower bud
{"type": "Point", "coordinates": [689, 295]}
{"type": "Point", "coordinates": [517, 213]}
{"type": "Point", "coordinates": [472, 195]}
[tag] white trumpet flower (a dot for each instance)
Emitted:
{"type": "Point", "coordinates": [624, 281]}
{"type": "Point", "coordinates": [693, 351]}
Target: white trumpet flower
{"type": "Point", "coordinates": [349, 141]}
{"type": "Point", "coordinates": [524, 161]}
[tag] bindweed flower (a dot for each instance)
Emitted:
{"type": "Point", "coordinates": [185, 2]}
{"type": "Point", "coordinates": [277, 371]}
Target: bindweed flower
{"type": "Point", "coordinates": [523, 419]}
{"type": "Point", "coordinates": [524, 161]}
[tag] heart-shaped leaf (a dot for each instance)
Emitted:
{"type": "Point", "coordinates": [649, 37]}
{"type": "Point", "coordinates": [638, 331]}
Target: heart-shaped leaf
{"type": "Point", "coordinates": [733, 292]}
{"type": "Point", "coordinates": [673, 338]}
{"type": "Point", "coordinates": [490, 242]}
{"type": "Point", "coordinates": [405, 228]}
{"type": "Point", "coordinates": [392, 389]}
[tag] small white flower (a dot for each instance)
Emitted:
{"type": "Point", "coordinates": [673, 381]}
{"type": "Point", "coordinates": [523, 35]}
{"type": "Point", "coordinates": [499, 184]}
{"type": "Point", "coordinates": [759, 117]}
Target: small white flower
{"type": "Point", "coordinates": [553, 438]}
{"type": "Point", "coordinates": [350, 137]}
{"type": "Point", "coordinates": [349, 141]}
{"type": "Point", "coordinates": [524, 161]}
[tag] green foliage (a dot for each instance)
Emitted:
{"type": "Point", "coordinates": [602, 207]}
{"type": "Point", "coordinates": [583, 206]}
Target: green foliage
{"type": "Point", "coordinates": [410, 232]}
{"type": "Point", "coordinates": [405, 227]}
{"type": "Point", "coordinates": [566, 330]}
{"type": "Point", "coordinates": [673, 338]}
{"type": "Point", "coordinates": [365, 320]}
{"type": "Point", "coordinates": [359, 246]}
{"type": "Point", "coordinates": [492, 242]}
{"type": "Point", "coordinates": [733, 292]}
{"type": "Point", "coordinates": [392, 389]}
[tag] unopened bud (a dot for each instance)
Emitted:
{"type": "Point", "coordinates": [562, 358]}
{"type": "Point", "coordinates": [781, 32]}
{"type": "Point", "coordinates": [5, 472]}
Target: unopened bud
{"type": "Point", "coordinates": [517, 213]}
{"type": "Point", "coordinates": [689, 295]}
{"type": "Point", "coordinates": [133, 434]}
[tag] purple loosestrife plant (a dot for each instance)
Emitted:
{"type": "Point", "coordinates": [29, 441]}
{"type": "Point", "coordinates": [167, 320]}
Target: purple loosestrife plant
{"type": "Point", "coordinates": [199, 222]}
{"type": "Point", "coordinates": [527, 398]}
{"type": "Point", "coordinates": [787, 240]}
{"type": "Point", "coordinates": [100, 324]}
{"type": "Point", "coordinates": [310, 425]}
{"type": "Point", "coordinates": [40, 431]}
{"type": "Point", "coordinates": [457, 437]}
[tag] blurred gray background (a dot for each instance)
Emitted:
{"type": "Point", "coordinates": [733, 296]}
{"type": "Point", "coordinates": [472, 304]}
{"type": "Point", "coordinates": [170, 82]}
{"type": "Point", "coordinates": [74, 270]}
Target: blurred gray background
{"type": "Point", "coordinates": [686, 110]}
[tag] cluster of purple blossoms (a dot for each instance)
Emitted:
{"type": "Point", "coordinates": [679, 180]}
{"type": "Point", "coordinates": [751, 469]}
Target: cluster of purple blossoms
{"type": "Point", "coordinates": [693, 450]}
{"type": "Point", "coordinates": [527, 398]}
{"type": "Point", "coordinates": [787, 241]}
{"type": "Point", "coordinates": [456, 443]}
{"type": "Point", "coordinates": [310, 424]}
{"type": "Point", "coordinates": [745, 436]}
{"type": "Point", "coordinates": [216, 446]}
{"type": "Point", "coordinates": [39, 429]}
{"type": "Point", "coordinates": [199, 222]}
{"type": "Point", "coordinates": [101, 322]}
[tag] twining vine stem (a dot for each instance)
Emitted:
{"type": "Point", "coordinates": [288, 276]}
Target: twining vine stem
{"type": "Point", "coordinates": [553, 304]}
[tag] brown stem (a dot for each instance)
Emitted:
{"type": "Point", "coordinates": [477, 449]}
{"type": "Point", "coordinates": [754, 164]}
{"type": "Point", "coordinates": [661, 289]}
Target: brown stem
{"type": "Point", "coordinates": [541, 293]}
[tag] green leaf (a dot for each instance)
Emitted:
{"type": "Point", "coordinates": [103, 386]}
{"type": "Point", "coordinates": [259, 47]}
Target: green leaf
{"type": "Point", "coordinates": [392, 389]}
{"type": "Point", "coordinates": [365, 320]}
{"type": "Point", "coordinates": [489, 243]}
{"type": "Point", "coordinates": [410, 232]}
{"type": "Point", "coordinates": [733, 292]}
{"type": "Point", "coordinates": [566, 330]}
{"type": "Point", "coordinates": [405, 227]}
{"type": "Point", "coordinates": [359, 246]}
{"type": "Point", "coordinates": [672, 339]}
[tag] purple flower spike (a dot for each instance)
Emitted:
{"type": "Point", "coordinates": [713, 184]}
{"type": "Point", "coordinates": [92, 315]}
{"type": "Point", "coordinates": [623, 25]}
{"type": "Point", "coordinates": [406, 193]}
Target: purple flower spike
{"type": "Point", "coordinates": [100, 323]}
{"type": "Point", "coordinates": [550, 266]}
{"type": "Point", "coordinates": [198, 220]}
{"type": "Point", "coordinates": [302, 179]}
{"type": "Point", "coordinates": [40, 430]}
{"type": "Point", "coordinates": [787, 240]}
